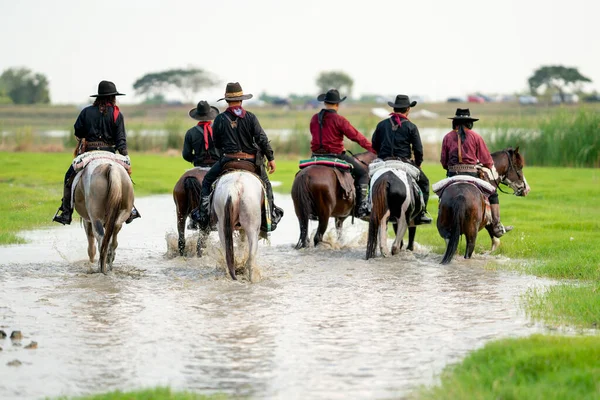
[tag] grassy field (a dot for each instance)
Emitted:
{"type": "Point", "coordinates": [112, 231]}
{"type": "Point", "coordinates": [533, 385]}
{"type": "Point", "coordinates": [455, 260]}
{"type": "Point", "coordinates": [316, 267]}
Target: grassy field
{"type": "Point", "coordinates": [538, 367]}
{"type": "Point", "coordinates": [557, 230]}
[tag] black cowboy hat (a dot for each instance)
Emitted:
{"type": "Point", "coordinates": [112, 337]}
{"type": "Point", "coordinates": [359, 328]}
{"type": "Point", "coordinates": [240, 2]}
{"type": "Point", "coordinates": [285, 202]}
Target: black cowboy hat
{"type": "Point", "coordinates": [204, 111]}
{"type": "Point", "coordinates": [107, 88]}
{"type": "Point", "coordinates": [234, 92]}
{"type": "Point", "coordinates": [332, 96]}
{"type": "Point", "coordinates": [402, 101]}
{"type": "Point", "coordinates": [463, 114]}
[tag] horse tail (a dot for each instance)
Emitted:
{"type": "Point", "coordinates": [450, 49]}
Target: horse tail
{"type": "Point", "coordinates": [380, 207]}
{"type": "Point", "coordinates": [228, 230]}
{"type": "Point", "coordinates": [193, 192]}
{"type": "Point", "coordinates": [459, 212]}
{"type": "Point", "coordinates": [301, 191]}
{"type": "Point", "coordinates": [112, 210]}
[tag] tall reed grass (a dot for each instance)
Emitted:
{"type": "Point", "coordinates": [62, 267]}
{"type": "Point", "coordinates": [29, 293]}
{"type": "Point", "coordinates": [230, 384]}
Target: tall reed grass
{"type": "Point", "coordinates": [564, 139]}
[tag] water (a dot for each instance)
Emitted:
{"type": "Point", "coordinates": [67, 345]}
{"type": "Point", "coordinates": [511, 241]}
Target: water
{"type": "Point", "coordinates": [322, 324]}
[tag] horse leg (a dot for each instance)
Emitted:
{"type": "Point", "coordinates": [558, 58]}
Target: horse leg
{"type": "Point", "coordinates": [383, 236]}
{"type": "Point", "coordinates": [471, 238]}
{"type": "Point", "coordinates": [91, 240]}
{"type": "Point", "coordinates": [495, 240]}
{"type": "Point", "coordinates": [323, 222]}
{"type": "Point", "coordinates": [201, 243]}
{"type": "Point", "coordinates": [181, 231]}
{"type": "Point", "coordinates": [112, 249]}
{"type": "Point", "coordinates": [252, 237]}
{"type": "Point", "coordinates": [412, 231]}
{"type": "Point", "coordinates": [339, 224]}
{"type": "Point", "coordinates": [398, 243]}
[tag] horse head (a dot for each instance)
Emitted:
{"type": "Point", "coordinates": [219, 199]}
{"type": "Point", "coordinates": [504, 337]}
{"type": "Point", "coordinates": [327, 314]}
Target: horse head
{"type": "Point", "coordinates": [509, 164]}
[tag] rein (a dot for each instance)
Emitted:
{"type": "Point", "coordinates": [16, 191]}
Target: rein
{"type": "Point", "coordinates": [357, 159]}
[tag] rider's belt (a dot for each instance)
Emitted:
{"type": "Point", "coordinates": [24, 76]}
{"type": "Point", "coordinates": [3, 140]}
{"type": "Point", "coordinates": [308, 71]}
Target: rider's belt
{"type": "Point", "coordinates": [322, 152]}
{"type": "Point", "coordinates": [462, 168]}
{"type": "Point", "coordinates": [99, 146]}
{"type": "Point", "coordinates": [240, 155]}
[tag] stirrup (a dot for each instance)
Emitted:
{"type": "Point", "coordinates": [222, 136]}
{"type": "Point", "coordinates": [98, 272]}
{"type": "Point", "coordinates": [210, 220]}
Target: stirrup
{"type": "Point", "coordinates": [423, 219]}
{"type": "Point", "coordinates": [64, 218]}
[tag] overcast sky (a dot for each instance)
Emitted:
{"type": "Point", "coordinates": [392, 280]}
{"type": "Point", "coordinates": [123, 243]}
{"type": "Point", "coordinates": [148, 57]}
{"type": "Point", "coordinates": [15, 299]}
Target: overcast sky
{"type": "Point", "coordinates": [431, 48]}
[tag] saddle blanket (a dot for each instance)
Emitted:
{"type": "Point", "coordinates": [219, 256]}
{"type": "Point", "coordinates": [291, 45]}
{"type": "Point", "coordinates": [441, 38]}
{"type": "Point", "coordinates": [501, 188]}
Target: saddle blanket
{"type": "Point", "coordinates": [327, 161]}
{"type": "Point", "coordinates": [378, 164]}
{"type": "Point", "coordinates": [82, 160]}
{"type": "Point", "coordinates": [484, 186]}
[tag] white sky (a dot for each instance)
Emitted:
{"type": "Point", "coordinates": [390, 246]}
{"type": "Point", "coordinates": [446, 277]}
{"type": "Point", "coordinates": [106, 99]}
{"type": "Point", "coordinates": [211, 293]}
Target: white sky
{"type": "Point", "coordinates": [432, 48]}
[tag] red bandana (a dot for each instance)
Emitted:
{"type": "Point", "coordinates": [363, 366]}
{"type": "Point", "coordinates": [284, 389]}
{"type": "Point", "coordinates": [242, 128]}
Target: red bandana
{"type": "Point", "coordinates": [207, 126]}
{"type": "Point", "coordinates": [116, 112]}
{"type": "Point", "coordinates": [398, 118]}
{"type": "Point", "coordinates": [238, 111]}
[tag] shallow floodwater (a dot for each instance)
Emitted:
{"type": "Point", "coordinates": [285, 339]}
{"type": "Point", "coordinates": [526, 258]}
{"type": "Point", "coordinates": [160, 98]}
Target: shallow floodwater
{"type": "Point", "coordinates": [322, 323]}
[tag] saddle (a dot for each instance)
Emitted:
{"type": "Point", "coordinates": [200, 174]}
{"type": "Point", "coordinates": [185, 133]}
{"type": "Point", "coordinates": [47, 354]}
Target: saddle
{"type": "Point", "coordinates": [486, 188]}
{"type": "Point", "coordinates": [328, 160]}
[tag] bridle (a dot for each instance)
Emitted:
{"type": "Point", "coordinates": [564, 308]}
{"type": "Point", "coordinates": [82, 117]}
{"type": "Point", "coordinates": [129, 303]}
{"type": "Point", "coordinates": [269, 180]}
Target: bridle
{"type": "Point", "coordinates": [501, 178]}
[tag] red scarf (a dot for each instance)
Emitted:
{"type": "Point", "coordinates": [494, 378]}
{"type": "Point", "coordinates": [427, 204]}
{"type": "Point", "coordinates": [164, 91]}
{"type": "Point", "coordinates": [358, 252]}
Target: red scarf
{"type": "Point", "coordinates": [207, 126]}
{"type": "Point", "coordinates": [238, 111]}
{"type": "Point", "coordinates": [398, 118]}
{"type": "Point", "coordinates": [116, 112]}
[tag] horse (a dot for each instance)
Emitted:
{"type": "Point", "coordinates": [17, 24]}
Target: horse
{"type": "Point", "coordinates": [237, 204]}
{"type": "Point", "coordinates": [186, 195]}
{"type": "Point", "coordinates": [103, 197]}
{"type": "Point", "coordinates": [462, 205]}
{"type": "Point", "coordinates": [318, 195]}
{"type": "Point", "coordinates": [393, 196]}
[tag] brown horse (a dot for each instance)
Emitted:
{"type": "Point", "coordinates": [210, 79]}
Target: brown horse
{"type": "Point", "coordinates": [462, 206]}
{"type": "Point", "coordinates": [318, 195]}
{"type": "Point", "coordinates": [186, 195]}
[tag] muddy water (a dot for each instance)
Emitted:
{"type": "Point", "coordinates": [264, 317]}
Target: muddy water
{"type": "Point", "coordinates": [323, 323]}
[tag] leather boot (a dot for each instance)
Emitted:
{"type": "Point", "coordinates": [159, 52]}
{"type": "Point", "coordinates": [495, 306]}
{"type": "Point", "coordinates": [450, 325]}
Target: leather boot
{"type": "Point", "coordinates": [134, 214]}
{"type": "Point", "coordinates": [361, 209]}
{"type": "Point", "coordinates": [201, 214]}
{"type": "Point", "coordinates": [65, 210]}
{"type": "Point", "coordinates": [422, 218]}
{"type": "Point", "coordinates": [276, 216]}
{"type": "Point", "coordinates": [498, 229]}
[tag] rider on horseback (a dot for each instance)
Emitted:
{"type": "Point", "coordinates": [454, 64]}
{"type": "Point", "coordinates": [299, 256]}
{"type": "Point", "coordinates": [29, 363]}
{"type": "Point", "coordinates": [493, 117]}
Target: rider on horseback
{"type": "Point", "coordinates": [239, 136]}
{"type": "Point", "coordinates": [397, 138]}
{"type": "Point", "coordinates": [328, 129]}
{"type": "Point", "coordinates": [462, 150]}
{"type": "Point", "coordinates": [98, 127]}
{"type": "Point", "coordinates": [198, 144]}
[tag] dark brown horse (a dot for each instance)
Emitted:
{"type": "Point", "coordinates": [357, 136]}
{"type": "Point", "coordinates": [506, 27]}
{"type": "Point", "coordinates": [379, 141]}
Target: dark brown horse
{"type": "Point", "coordinates": [462, 207]}
{"type": "Point", "coordinates": [318, 195]}
{"type": "Point", "coordinates": [394, 198]}
{"type": "Point", "coordinates": [186, 195]}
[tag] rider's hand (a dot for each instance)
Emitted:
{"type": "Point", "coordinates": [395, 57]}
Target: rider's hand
{"type": "Point", "coordinates": [271, 166]}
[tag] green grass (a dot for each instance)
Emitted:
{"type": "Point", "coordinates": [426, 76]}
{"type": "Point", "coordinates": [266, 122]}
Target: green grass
{"type": "Point", "coordinates": [159, 393]}
{"type": "Point", "coordinates": [538, 367]}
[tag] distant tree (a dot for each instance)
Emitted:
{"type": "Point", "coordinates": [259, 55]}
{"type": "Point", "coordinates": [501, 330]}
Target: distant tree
{"type": "Point", "coordinates": [23, 86]}
{"type": "Point", "coordinates": [4, 99]}
{"type": "Point", "coordinates": [558, 78]}
{"type": "Point", "coordinates": [335, 80]}
{"type": "Point", "coordinates": [187, 81]}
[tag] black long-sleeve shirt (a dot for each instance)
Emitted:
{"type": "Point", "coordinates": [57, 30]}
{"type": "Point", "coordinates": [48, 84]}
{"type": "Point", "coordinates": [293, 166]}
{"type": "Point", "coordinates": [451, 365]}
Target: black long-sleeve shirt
{"type": "Point", "coordinates": [194, 149]}
{"type": "Point", "coordinates": [400, 143]}
{"type": "Point", "coordinates": [232, 140]}
{"type": "Point", "coordinates": [94, 126]}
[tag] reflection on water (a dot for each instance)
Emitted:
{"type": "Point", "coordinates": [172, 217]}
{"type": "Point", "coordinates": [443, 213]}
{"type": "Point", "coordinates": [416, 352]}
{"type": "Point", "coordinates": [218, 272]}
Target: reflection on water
{"type": "Point", "coordinates": [323, 323]}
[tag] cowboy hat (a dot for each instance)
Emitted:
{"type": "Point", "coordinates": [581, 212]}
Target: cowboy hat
{"type": "Point", "coordinates": [234, 92]}
{"type": "Point", "coordinates": [402, 101]}
{"type": "Point", "coordinates": [332, 96]}
{"type": "Point", "coordinates": [463, 114]}
{"type": "Point", "coordinates": [107, 88]}
{"type": "Point", "coordinates": [204, 111]}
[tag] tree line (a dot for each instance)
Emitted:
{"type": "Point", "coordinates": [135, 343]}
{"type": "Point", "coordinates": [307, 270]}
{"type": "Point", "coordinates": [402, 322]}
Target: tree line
{"type": "Point", "coordinates": [23, 86]}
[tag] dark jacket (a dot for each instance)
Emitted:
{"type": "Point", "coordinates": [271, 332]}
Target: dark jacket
{"type": "Point", "coordinates": [109, 128]}
{"type": "Point", "coordinates": [400, 143]}
{"type": "Point", "coordinates": [232, 140]}
{"type": "Point", "coordinates": [194, 149]}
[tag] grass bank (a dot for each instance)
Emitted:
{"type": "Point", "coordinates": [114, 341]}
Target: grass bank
{"type": "Point", "coordinates": [538, 367]}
